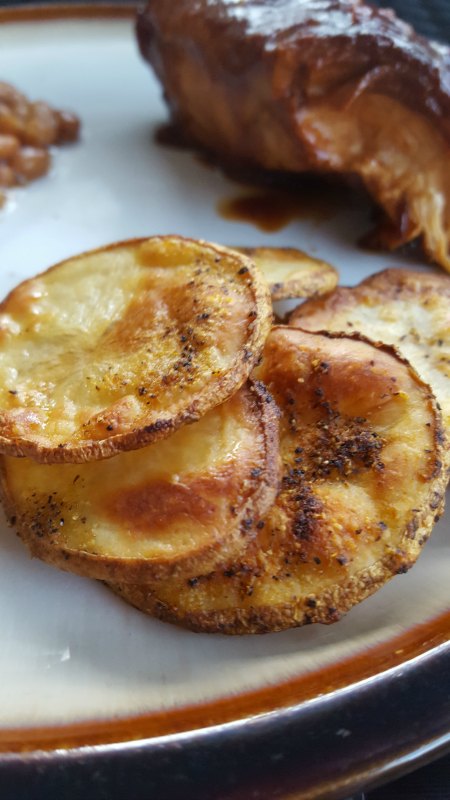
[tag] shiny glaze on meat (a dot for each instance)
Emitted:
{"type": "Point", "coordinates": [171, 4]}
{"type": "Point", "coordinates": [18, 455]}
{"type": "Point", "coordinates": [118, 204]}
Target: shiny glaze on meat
{"type": "Point", "coordinates": [330, 86]}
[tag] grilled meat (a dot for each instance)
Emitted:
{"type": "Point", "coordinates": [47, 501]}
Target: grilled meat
{"type": "Point", "coordinates": [326, 86]}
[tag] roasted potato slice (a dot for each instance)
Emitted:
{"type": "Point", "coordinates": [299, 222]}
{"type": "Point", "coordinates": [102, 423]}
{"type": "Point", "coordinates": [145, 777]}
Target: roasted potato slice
{"type": "Point", "coordinates": [292, 273]}
{"type": "Point", "coordinates": [363, 482]}
{"type": "Point", "coordinates": [410, 310]}
{"type": "Point", "coordinates": [178, 504]}
{"type": "Point", "coordinates": [118, 347]}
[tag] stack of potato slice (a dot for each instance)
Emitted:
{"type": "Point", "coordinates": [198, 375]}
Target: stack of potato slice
{"type": "Point", "coordinates": [410, 310]}
{"type": "Point", "coordinates": [158, 433]}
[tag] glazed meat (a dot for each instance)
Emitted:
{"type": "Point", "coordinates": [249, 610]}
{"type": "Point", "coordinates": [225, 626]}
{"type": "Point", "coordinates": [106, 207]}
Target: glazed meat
{"type": "Point", "coordinates": [327, 86]}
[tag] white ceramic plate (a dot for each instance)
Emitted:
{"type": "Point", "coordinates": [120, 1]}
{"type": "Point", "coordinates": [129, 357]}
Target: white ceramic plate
{"type": "Point", "coordinates": [72, 654]}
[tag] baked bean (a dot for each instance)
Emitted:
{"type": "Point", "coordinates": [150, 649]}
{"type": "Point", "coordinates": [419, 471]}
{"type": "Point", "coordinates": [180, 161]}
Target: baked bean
{"type": "Point", "coordinates": [10, 122]}
{"type": "Point", "coordinates": [7, 175]}
{"type": "Point", "coordinates": [68, 127]}
{"type": "Point", "coordinates": [27, 130]}
{"type": "Point", "coordinates": [9, 146]}
{"type": "Point", "coordinates": [31, 163]}
{"type": "Point", "coordinates": [41, 127]}
{"type": "Point", "coordinates": [10, 95]}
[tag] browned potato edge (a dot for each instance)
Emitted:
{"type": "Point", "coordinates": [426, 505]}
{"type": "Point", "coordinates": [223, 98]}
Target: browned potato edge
{"type": "Point", "coordinates": [135, 570]}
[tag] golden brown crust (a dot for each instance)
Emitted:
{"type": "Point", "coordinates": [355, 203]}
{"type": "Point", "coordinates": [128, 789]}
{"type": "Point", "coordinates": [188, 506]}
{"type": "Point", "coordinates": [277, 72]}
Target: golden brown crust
{"type": "Point", "coordinates": [407, 309]}
{"type": "Point", "coordinates": [119, 347]}
{"type": "Point", "coordinates": [363, 482]}
{"type": "Point", "coordinates": [169, 509]}
{"type": "Point", "coordinates": [291, 272]}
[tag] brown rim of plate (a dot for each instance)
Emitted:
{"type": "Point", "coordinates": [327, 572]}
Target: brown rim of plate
{"type": "Point", "coordinates": [424, 638]}
{"type": "Point", "coordinates": [37, 12]}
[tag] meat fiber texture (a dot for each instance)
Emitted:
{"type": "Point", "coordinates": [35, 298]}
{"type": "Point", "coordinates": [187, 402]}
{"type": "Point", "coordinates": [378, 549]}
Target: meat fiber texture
{"type": "Point", "coordinates": [327, 86]}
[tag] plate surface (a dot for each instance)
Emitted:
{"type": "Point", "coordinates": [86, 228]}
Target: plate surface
{"type": "Point", "coordinates": [77, 666]}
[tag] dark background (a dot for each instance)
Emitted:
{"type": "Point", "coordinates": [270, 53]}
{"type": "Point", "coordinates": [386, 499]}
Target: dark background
{"type": "Point", "coordinates": [431, 18]}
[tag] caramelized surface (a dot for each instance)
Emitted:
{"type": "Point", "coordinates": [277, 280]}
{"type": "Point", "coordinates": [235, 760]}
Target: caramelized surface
{"type": "Point", "coordinates": [116, 348]}
{"type": "Point", "coordinates": [410, 310]}
{"type": "Point", "coordinates": [292, 273]}
{"type": "Point", "coordinates": [363, 482]}
{"type": "Point", "coordinates": [157, 510]}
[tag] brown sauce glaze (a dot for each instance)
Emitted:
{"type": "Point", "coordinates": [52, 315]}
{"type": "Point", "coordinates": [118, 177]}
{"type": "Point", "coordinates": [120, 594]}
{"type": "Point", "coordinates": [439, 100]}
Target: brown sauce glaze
{"type": "Point", "coordinates": [271, 210]}
{"type": "Point", "coordinates": [268, 211]}
{"type": "Point", "coordinates": [270, 200]}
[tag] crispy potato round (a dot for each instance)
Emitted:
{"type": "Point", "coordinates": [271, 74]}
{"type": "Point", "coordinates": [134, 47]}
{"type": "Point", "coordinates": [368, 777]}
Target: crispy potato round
{"type": "Point", "coordinates": [363, 482]}
{"type": "Point", "coordinates": [410, 310]}
{"type": "Point", "coordinates": [118, 347]}
{"type": "Point", "coordinates": [169, 508]}
{"type": "Point", "coordinates": [292, 273]}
